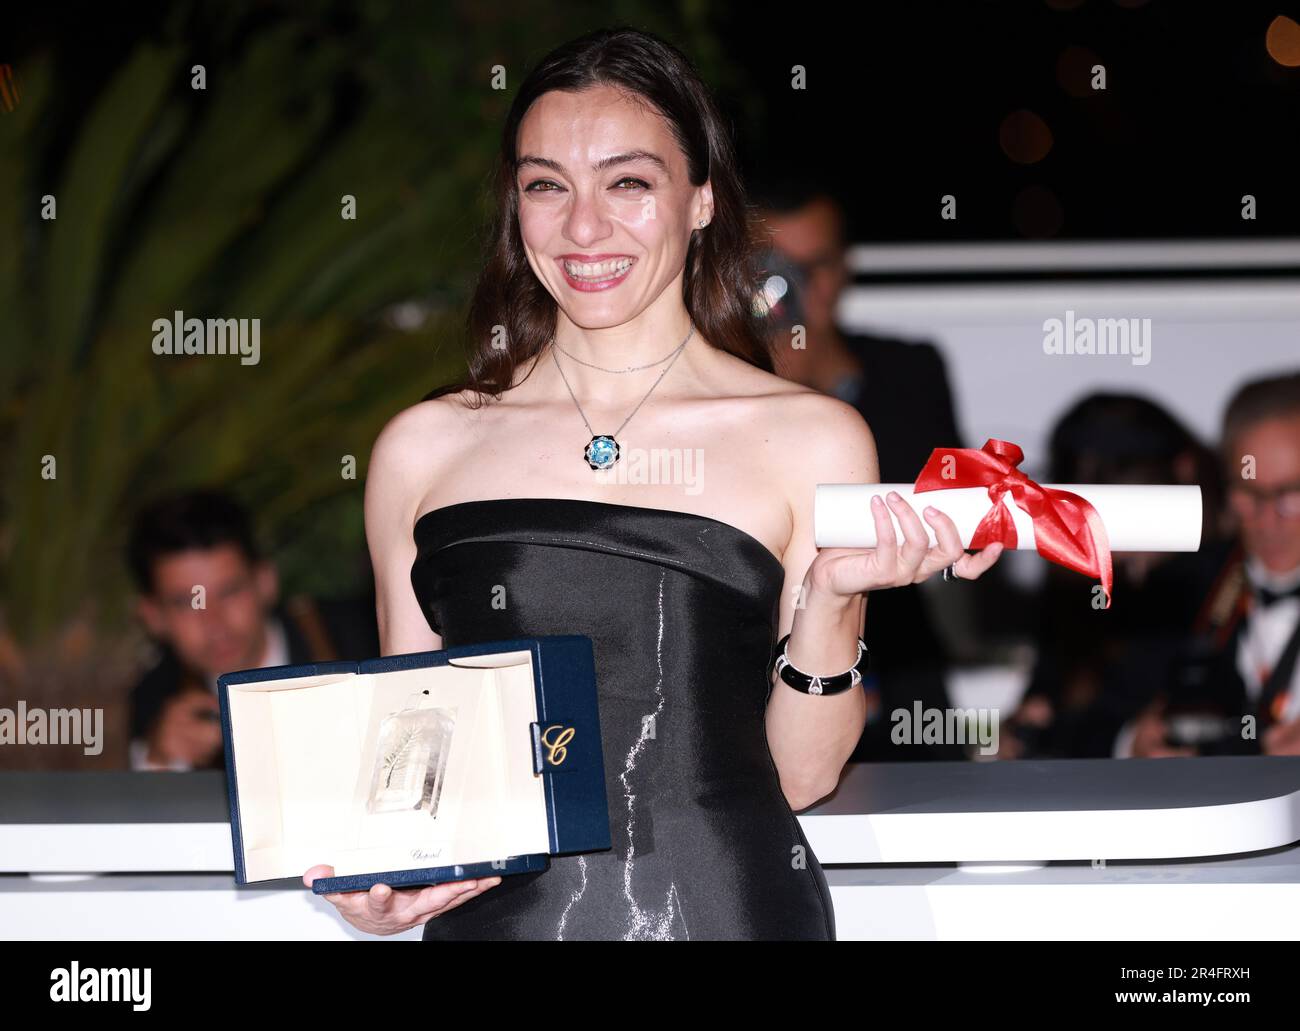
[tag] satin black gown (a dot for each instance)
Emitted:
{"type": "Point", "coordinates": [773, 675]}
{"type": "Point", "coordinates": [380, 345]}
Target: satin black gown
{"type": "Point", "coordinates": [682, 612]}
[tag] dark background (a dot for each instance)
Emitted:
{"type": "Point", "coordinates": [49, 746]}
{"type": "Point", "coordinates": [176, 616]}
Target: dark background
{"type": "Point", "coordinates": [904, 101]}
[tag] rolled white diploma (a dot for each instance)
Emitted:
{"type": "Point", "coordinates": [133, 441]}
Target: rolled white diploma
{"type": "Point", "coordinates": [1137, 517]}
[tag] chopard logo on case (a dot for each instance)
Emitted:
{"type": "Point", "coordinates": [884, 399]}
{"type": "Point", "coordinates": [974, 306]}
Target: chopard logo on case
{"type": "Point", "coordinates": [556, 748]}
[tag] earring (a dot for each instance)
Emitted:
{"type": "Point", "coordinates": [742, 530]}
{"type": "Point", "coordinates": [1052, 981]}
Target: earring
{"type": "Point", "coordinates": [703, 223]}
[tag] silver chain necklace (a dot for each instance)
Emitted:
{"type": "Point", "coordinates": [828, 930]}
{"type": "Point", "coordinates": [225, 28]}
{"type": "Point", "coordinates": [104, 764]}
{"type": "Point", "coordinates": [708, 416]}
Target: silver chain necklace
{"type": "Point", "coordinates": [630, 368]}
{"type": "Point", "coordinates": [602, 451]}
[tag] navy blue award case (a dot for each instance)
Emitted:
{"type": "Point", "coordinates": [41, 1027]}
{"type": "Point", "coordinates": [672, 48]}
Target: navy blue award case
{"type": "Point", "coordinates": [307, 752]}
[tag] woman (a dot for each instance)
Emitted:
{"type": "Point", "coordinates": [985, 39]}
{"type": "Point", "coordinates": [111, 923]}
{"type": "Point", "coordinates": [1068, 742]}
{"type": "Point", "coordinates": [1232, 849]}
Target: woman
{"type": "Point", "coordinates": [617, 293]}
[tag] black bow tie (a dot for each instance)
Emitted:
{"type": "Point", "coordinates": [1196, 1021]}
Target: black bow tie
{"type": "Point", "coordinates": [1267, 596]}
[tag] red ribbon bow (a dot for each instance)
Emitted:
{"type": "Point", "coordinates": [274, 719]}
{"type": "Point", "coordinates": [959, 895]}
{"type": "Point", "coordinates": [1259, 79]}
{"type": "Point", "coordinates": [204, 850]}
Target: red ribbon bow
{"type": "Point", "coordinates": [1067, 529]}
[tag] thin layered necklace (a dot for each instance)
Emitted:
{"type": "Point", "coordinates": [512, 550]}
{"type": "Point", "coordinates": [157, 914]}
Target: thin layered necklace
{"type": "Point", "coordinates": [602, 451]}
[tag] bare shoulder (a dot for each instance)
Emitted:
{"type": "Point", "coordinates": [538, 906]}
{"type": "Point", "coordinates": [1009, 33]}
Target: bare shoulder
{"type": "Point", "coordinates": [413, 439]}
{"type": "Point", "coordinates": [813, 434]}
{"type": "Point", "coordinates": [829, 436]}
{"type": "Point", "coordinates": [414, 445]}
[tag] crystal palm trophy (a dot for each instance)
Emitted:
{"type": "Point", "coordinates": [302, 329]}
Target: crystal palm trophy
{"type": "Point", "coordinates": [411, 759]}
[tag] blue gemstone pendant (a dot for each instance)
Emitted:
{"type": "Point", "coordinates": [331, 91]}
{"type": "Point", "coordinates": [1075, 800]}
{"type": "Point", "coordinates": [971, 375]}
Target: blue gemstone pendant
{"type": "Point", "coordinates": [601, 452]}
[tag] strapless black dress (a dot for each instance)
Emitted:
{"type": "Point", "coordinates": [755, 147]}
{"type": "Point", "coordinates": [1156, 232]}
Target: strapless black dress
{"type": "Point", "coordinates": [682, 612]}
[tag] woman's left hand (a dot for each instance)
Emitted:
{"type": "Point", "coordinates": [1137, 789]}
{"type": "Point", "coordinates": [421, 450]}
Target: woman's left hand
{"type": "Point", "coordinates": [849, 571]}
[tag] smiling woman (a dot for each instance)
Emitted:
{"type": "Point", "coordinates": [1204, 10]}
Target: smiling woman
{"type": "Point", "coordinates": [600, 271]}
{"type": "Point", "coordinates": [612, 130]}
{"type": "Point", "coordinates": [622, 243]}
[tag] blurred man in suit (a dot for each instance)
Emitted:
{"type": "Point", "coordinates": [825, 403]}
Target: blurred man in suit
{"type": "Point", "coordinates": [902, 391]}
{"type": "Point", "coordinates": [900, 387]}
{"type": "Point", "coordinates": [204, 539]}
{"type": "Point", "coordinates": [1232, 684]}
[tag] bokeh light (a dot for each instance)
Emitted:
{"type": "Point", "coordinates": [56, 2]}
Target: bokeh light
{"type": "Point", "coordinates": [1283, 41]}
{"type": "Point", "coordinates": [1074, 71]}
{"type": "Point", "coordinates": [1024, 137]}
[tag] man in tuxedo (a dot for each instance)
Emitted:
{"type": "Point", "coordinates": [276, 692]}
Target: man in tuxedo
{"type": "Point", "coordinates": [211, 602]}
{"type": "Point", "coordinates": [1232, 683]}
{"type": "Point", "coordinates": [901, 389]}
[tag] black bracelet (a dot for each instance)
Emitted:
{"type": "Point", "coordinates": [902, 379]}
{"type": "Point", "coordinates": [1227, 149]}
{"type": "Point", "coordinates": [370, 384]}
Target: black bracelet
{"type": "Point", "coordinates": [809, 684]}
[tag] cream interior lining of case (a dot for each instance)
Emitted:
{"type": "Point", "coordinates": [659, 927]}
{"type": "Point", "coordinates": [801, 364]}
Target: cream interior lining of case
{"type": "Point", "coordinates": [305, 750]}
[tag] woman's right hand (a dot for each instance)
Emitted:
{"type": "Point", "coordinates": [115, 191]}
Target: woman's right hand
{"type": "Point", "coordinates": [383, 910]}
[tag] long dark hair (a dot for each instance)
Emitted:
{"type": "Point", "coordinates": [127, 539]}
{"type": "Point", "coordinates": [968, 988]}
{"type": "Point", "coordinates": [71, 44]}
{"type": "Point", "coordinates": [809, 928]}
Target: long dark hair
{"type": "Point", "coordinates": [512, 317]}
